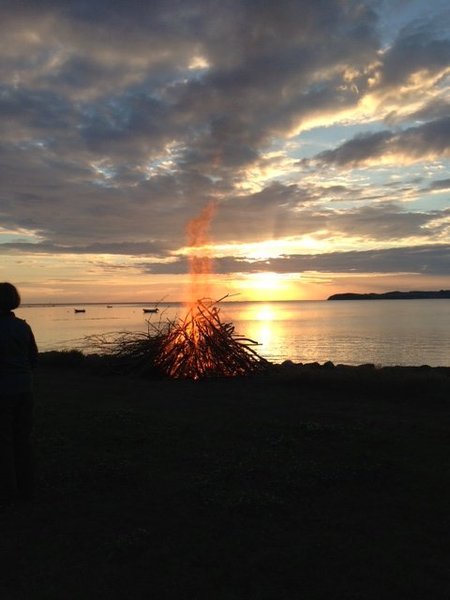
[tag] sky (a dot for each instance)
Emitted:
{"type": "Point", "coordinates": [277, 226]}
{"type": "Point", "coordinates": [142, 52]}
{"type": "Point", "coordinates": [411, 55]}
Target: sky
{"type": "Point", "coordinates": [315, 136]}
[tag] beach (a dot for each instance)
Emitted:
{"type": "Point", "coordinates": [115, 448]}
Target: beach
{"type": "Point", "coordinates": [308, 482]}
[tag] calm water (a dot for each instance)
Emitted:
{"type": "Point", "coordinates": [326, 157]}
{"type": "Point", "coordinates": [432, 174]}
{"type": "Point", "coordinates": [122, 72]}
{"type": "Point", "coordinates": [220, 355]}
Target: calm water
{"type": "Point", "coordinates": [384, 332]}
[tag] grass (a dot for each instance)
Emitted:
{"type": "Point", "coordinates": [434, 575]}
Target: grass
{"type": "Point", "coordinates": [304, 483]}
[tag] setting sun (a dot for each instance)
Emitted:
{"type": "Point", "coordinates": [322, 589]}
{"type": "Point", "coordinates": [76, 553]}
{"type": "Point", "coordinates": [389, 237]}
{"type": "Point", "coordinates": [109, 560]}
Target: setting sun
{"type": "Point", "coordinates": [305, 180]}
{"type": "Point", "coordinates": [267, 281]}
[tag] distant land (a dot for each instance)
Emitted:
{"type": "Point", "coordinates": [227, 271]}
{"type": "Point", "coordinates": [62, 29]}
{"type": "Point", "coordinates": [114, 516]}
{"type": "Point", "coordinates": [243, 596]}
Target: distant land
{"type": "Point", "coordinates": [392, 296]}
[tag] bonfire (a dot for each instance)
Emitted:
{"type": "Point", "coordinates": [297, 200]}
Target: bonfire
{"type": "Point", "coordinates": [201, 345]}
{"type": "Point", "coordinates": [198, 346]}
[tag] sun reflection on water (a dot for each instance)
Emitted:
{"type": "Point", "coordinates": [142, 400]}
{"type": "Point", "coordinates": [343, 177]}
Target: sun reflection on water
{"type": "Point", "coordinates": [263, 334]}
{"type": "Point", "coordinates": [265, 313]}
{"type": "Point", "coordinates": [263, 324]}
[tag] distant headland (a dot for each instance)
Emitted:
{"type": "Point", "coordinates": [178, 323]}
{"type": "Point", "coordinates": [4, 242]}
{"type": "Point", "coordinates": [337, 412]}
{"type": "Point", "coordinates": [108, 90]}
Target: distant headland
{"type": "Point", "coordinates": [393, 296]}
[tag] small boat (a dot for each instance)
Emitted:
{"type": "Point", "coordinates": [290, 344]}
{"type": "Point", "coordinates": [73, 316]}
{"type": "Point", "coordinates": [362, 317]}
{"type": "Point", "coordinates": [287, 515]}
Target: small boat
{"type": "Point", "coordinates": [79, 310]}
{"type": "Point", "coordinates": [109, 306]}
{"type": "Point", "coordinates": [150, 310]}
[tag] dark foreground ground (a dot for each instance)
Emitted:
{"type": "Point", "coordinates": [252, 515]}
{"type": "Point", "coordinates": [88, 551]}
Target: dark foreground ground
{"type": "Point", "coordinates": [302, 484]}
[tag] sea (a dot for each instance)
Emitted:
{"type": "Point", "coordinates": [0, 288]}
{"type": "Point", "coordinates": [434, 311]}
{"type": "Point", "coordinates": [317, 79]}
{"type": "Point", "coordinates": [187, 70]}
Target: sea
{"type": "Point", "coordinates": [352, 332]}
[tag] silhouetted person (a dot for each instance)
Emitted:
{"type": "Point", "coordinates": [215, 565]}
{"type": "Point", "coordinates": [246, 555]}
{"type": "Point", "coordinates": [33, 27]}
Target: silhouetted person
{"type": "Point", "coordinates": [18, 355]}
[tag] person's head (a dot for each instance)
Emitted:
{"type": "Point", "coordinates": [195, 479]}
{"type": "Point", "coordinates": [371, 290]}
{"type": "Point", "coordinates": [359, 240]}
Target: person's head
{"type": "Point", "coordinates": [9, 297]}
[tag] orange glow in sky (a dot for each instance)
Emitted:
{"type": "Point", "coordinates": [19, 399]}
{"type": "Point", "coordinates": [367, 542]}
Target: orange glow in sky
{"type": "Point", "coordinates": [204, 135]}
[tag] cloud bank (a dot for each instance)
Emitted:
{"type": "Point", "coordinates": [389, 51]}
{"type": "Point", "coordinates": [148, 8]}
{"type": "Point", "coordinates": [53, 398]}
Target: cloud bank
{"type": "Point", "coordinates": [307, 122]}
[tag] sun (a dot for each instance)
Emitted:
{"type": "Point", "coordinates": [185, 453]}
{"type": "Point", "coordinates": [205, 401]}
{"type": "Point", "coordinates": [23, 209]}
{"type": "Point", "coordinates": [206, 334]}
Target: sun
{"type": "Point", "coordinates": [267, 286]}
{"type": "Point", "coordinates": [266, 281]}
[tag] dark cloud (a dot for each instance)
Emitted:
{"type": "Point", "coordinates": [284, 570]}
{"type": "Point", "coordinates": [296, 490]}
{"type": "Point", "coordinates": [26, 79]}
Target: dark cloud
{"type": "Point", "coordinates": [107, 220]}
{"type": "Point", "coordinates": [358, 150]}
{"type": "Point", "coordinates": [42, 114]}
{"type": "Point", "coordinates": [414, 51]}
{"type": "Point", "coordinates": [119, 121]}
{"type": "Point", "coordinates": [134, 126]}
{"type": "Point", "coordinates": [415, 143]}
{"type": "Point", "coordinates": [263, 59]}
{"type": "Point", "coordinates": [125, 248]}
{"type": "Point", "coordinates": [432, 260]}
{"type": "Point", "coordinates": [383, 222]}
{"type": "Point", "coordinates": [428, 259]}
{"type": "Point", "coordinates": [252, 221]}
{"type": "Point", "coordinates": [440, 184]}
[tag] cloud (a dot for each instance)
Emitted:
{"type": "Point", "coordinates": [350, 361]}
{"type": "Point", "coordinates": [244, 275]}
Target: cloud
{"type": "Point", "coordinates": [427, 259]}
{"type": "Point", "coordinates": [431, 140]}
{"type": "Point", "coordinates": [440, 185]}
{"type": "Point", "coordinates": [121, 121]}
{"type": "Point", "coordinates": [261, 79]}
{"type": "Point", "coordinates": [125, 248]}
{"type": "Point", "coordinates": [387, 222]}
{"type": "Point", "coordinates": [416, 50]}
{"type": "Point", "coordinates": [433, 260]}
{"type": "Point", "coordinates": [435, 109]}
{"type": "Point", "coordinates": [154, 219]}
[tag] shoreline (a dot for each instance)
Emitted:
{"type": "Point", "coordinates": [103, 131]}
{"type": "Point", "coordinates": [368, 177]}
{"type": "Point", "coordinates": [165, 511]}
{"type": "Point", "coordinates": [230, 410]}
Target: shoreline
{"type": "Point", "coordinates": [77, 358]}
{"type": "Point", "coordinates": [413, 295]}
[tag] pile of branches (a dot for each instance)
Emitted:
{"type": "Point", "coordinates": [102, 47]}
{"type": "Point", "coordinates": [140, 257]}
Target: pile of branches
{"type": "Point", "coordinates": [198, 346]}
{"type": "Point", "coordinates": [130, 352]}
{"type": "Point", "coordinates": [201, 345]}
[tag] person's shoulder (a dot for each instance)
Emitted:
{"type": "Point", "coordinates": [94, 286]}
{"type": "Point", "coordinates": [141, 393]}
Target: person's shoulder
{"type": "Point", "coordinates": [25, 324]}
{"type": "Point", "coordinates": [19, 322]}
{"type": "Point", "coordinates": [12, 318]}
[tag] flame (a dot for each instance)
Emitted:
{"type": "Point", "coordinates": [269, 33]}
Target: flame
{"type": "Point", "coordinates": [200, 268]}
{"type": "Point", "coordinates": [201, 345]}
{"type": "Point", "coordinates": [200, 263]}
